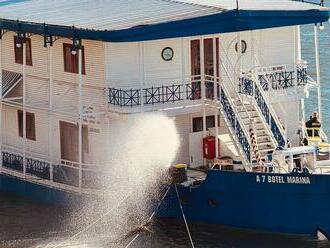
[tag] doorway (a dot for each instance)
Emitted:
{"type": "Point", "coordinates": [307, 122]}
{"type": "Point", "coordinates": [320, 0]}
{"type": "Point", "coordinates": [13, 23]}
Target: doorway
{"type": "Point", "coordinates": [209, 66]}
{"type": "Point", "coordinates": [70, 143]}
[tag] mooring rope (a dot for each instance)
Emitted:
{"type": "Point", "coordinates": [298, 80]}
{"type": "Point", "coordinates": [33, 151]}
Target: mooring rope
{"type": "Point", "coordinates": [95, 222]}
{"type": "Point", "coordinates": [150, 218]}
{"type": "Point", "coordinates": [184, 217]}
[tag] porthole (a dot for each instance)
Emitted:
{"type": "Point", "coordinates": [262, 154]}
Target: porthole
{"type": "Point", "coordinates": [243, 46]}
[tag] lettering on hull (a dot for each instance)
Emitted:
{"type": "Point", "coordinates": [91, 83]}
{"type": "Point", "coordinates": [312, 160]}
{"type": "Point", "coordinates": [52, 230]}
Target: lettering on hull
{"type": "Point", "coordinates": [283, 179]}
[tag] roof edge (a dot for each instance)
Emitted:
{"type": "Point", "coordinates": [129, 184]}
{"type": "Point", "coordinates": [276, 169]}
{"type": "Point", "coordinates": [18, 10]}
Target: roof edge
{"type": "Point", "coordinates": [225, 22]}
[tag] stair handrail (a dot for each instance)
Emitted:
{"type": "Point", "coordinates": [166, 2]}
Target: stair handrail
{"type": "Point", "coordinates": [266, 99]}
{"type": "Point", "coordinates": [238, 117]}
{"type": "Point", "coordinates": [271, 110]}
{"type": "Point", "coordinates": [245, 151]}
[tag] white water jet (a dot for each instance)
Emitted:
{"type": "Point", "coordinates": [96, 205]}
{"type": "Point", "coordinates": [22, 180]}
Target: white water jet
{"type": "Point", "coordinates": [140, 149]}
{"type": "Point", "coordinates": [142, 145]}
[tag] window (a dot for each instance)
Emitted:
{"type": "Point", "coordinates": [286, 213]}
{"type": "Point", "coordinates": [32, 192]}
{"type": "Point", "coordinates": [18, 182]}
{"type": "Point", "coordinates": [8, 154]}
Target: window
{"type": "Point", "coordinates": [71, 61]}
{"type": "Point", "coordinates": [195, 58]}
{"type": "Point", "coordinates": [208, 57]}
{"type": "Point", "coordinates": [198, 123]}
{"type": "Point", "coordinates": [19, 52]}
{"type": "Point", "coordinates": [30, 125]}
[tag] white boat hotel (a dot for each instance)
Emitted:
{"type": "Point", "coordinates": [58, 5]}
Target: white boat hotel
{"type": "Point", "coordinates": [231, 76]}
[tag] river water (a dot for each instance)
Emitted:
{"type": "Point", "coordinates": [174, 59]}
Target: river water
{"type": "Point", "coordinates": [24, 223]}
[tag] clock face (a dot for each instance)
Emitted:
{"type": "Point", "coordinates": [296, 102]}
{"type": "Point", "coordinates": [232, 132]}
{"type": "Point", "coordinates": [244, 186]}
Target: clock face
{"type": "Point", "coordinates": [167, 53]}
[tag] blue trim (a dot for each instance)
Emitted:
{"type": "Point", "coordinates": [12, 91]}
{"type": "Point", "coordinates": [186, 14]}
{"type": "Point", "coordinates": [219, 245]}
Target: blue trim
{"type": "Point", "coordinates": [228, 21]}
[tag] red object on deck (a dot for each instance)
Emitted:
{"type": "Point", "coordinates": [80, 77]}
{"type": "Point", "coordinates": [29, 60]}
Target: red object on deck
{"type": "Point", "coordinates": [209, 147]}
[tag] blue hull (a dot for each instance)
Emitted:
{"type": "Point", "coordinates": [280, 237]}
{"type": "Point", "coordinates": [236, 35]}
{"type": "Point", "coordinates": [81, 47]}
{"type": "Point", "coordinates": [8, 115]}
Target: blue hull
{"type": "Point", "coordinates": [282, 203]}
{"type": "Point", "coordinates": [38, 192]}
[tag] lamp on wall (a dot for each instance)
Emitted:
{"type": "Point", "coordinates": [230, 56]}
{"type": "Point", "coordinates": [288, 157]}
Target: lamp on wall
{"type": "Point", "coordinates": [321, 27]}
{"type": "Point", "coordinates": [76, 45]}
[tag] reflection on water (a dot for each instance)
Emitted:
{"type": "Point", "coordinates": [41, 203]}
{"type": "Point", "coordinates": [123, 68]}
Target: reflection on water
{"type": "Point", "coordinates": [28, 224]}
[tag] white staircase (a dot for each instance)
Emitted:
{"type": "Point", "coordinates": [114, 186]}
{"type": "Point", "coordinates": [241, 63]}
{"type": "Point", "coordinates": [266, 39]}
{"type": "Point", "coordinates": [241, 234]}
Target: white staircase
{"type": "Point", "coordinates": [250, 109]}
{"type": "Point", "coordinates": [265, 141]}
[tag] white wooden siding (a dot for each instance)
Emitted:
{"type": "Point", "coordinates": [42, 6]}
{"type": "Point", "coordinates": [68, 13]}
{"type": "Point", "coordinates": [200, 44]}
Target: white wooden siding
{"type": "Point", "coordinates": [123, 67]}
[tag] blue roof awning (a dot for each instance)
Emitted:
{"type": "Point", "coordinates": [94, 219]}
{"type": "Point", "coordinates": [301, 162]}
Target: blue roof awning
{"type": "Point", "coordinates": [113, 21]}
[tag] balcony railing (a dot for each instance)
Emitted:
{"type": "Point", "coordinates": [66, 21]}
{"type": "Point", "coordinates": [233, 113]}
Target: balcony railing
{"type": "Point", "coordinates": [280, 77]}
{"type": "Point", "coordinates": [62, 173]}
{"type": "Point", "coordinates": [162, 94]}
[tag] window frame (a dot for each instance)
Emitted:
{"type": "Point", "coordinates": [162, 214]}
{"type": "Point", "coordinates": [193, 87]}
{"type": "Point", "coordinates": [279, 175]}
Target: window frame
{"type": "Point", "coordinates": [72, 65]}
{"type": "Point", "coordinates": [30, 125]}
{"type": "Point", "coordinates": [209, 118]}
{"type": "Point", "coordinates": [19, 52]}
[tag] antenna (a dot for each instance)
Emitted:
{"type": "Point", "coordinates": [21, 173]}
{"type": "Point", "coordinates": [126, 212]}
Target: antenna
{"type": "Point", "coordinates": [237, 5]}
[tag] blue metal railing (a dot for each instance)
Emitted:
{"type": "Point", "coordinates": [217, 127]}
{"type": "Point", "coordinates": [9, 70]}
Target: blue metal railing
{"type": "Point", "coordinates": [163, 94]}
{"type": "Point", "coordinates": [62, 174]}
{"type": "Point", "coordinates": [12, 161]}
{"type": "Point", "coordinates": [160, 94]}
{"type": "Point", "coordinates": [119, 97]}
{"type": "Point", "coordinates": [278, 80]}
{"type": "Point", "coordinates": [38, 168]}
{"type": "Point", "coordinates": [233, 120]}
{"type": "Point", "coordinates": [249, 87]}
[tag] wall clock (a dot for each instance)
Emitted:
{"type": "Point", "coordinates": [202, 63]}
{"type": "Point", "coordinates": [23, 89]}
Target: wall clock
{"type": "Point", "coordinates": [167, 54]}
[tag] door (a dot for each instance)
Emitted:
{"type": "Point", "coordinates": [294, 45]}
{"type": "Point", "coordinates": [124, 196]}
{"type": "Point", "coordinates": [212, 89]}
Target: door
{"type": "Point", "coordinates": [70, 143]}
{"type": "Point", "coordinates": [209, 66]}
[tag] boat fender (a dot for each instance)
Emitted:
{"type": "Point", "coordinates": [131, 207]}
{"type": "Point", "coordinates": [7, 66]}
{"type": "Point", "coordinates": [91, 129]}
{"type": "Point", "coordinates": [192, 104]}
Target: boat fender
{"type": "Point", "coordinates": [321, 235]}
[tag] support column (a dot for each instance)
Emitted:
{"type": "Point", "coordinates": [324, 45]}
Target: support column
{"type": "Point", "coordinates": [203, 88]}
{"type": "Point", "coordinates": [1, 138]}
{"type": "Point", "coordinates": [142, 72]}
{"type": "Point", "coordinates": [318, 74]}
{"type": "Point", "coordinates": [24, 107]}
{"type": "Point", "coordinates": [295, 59]}
{"type": "Point", "coordinates": [302, 101]}
{"type": "Point", "coordinates": [183, 68]}
{"type": "Point", "coordinates": [215, 94]}
{"type": "Point", "coordinates": [80, 108]}
{"type": "Point", "coordinates": [239, 62]}
{"type": "Point", "coordinates": [50, 112]}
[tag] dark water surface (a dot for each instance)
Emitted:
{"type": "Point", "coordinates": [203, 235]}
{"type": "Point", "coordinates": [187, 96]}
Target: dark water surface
{"type": "Point", "coordinates": [24, 223]}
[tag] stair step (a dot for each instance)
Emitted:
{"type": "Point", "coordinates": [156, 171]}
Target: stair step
{"type": "Point", "coordinates": [263, 148]}
{"type": "Point", "coordinates": [248, 122]}
{"type": "Point", "coordinates": [249, 110]}
{"type": "Point", "coordinates": [265, 136]}
{"type": "Point", "coordinates": [265, 143]}
{"type": "Point", "coordinates": [264, 152]}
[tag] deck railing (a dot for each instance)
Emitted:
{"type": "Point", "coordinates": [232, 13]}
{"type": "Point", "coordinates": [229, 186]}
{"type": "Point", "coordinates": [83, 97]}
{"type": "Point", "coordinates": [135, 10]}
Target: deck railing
{"type": "Point", "coordinates": [161, 94]}
{"type": "Point", "coordinates": [281, 77]}
{"type": "Point", "coordinates": [63, 172]}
